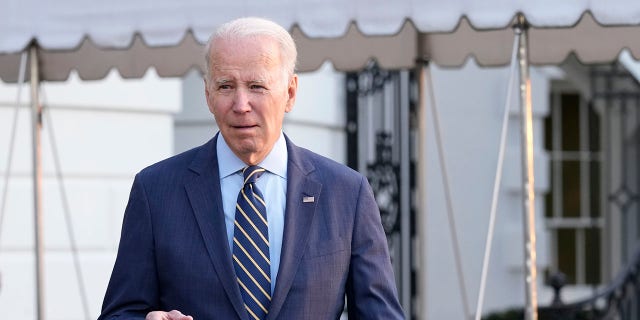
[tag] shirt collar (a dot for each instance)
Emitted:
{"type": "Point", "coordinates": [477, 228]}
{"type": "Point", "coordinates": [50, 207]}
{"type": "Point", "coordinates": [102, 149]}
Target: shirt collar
{"type": "Point", "coordinates": [275, 162]}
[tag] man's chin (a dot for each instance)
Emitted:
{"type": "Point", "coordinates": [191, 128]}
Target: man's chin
{"type": "Point", "coordinates": [245, 150]}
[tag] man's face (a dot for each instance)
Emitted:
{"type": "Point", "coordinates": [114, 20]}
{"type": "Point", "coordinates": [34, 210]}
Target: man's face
{"type": "Point", "coordinates": [249, 93]}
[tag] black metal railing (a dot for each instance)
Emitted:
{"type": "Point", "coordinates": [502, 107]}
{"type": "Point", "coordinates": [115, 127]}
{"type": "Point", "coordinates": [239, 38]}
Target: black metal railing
{"type": "Point", "coordinates": [620, 300]}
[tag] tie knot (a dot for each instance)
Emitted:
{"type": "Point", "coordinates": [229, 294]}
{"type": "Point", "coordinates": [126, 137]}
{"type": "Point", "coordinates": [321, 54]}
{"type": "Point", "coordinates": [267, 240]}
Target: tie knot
{"type": "Point", "coordinates": [252, 173]}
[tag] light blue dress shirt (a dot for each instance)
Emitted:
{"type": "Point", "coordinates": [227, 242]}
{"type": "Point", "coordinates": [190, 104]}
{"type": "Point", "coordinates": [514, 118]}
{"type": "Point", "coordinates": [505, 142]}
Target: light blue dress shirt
{"type": "Point", "coordinates": [272, 184]}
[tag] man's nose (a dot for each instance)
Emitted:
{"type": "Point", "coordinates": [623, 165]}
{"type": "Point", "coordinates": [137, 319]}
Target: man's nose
{"type": "Point", "coordinates": [241, 101]}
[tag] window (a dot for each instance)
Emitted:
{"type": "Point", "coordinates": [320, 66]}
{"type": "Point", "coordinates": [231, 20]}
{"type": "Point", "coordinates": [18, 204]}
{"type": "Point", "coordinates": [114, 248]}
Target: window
{"type": "Point", "coordinates": [572, 206]}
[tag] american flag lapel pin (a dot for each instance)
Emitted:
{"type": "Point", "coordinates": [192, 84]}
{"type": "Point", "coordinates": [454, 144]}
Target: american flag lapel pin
{"type": "Point", "coordinates": [306, 199]}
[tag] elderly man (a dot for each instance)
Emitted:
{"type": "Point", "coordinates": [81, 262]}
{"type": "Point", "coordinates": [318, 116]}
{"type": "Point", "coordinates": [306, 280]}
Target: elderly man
{"type": "Point", "coordinates": [250, 226]}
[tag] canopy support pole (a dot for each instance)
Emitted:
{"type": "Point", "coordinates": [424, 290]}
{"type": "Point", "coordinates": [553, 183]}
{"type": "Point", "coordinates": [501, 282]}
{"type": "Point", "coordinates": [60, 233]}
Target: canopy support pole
{"type": "Point", "coordinates": [526, 123]}
{"type": "Point", "coordinates": [36, 122]}
{"type": "Point", "coordinates": [421, 215]}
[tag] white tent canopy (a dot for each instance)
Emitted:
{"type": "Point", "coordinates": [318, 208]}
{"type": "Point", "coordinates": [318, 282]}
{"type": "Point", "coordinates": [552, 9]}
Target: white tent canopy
{"type": "Point", "coordinates": [134, 35]}
{"type": "Point", "coordinates": [93, 37]}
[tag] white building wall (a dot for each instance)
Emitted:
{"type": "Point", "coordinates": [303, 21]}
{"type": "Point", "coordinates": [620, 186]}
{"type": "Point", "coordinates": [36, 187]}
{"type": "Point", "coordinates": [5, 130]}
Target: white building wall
{"type": "Point", "coordinates": [105, 132]}
{"type": "Point", "coordinates": [471, 101]}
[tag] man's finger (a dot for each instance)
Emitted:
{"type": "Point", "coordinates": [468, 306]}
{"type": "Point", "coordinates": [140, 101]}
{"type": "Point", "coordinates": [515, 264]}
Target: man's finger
{"type": "Point", "coordinates": [171, 315]}
{"type": "Point", "coordinates": [177, 315]}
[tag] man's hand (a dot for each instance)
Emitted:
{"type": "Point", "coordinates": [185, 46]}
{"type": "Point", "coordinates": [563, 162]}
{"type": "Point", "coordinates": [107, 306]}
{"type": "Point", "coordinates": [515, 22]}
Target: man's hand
{"type": "Point", "coordinates": [171, 315]}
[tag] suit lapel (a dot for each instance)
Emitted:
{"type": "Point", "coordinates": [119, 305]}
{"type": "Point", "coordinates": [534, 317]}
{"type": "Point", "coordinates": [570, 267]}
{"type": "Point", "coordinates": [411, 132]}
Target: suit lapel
{"type": "Point", "coordinates": [206, 200]}
{"type": "Point", "coordinates": [299, 214]}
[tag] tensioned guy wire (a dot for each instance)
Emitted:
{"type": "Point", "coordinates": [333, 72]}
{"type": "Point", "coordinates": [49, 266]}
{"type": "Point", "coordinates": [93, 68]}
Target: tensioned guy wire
{"type": "Point", "coordinates": [21, 74]}
{"type": "Point", "coordinates": [447, 193]}
{"type": "Point", "coordinates": [498, 179]}
{"type": "Point", "coordinates": [67, 215]}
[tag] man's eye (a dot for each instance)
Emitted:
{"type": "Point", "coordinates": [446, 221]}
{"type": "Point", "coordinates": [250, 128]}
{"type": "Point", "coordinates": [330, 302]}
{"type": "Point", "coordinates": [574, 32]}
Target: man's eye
{"type": "Point", "coordinates": [224, 87]}
{"type": "Point", "coordinates": [257, 87]}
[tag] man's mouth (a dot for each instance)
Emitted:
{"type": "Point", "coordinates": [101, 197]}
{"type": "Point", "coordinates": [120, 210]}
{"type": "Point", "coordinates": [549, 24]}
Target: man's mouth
{"type": "Point", "coordinates": [245, 127]}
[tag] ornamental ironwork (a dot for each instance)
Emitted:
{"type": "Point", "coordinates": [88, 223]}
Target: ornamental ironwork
{"type": "Point", "coordinates": [383, 177]}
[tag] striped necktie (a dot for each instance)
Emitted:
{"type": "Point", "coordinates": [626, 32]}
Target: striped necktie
{"type": "Point", "coordinates": [251, 246]}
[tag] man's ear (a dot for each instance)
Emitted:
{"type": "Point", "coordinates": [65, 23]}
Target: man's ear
{"type": "Point", "coordinates": [292, 90]}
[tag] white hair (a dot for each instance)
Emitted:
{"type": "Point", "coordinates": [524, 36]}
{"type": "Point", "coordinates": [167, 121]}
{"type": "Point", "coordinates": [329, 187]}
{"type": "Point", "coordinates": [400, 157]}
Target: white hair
{"type": "Point", "coordinates": [251, 26]}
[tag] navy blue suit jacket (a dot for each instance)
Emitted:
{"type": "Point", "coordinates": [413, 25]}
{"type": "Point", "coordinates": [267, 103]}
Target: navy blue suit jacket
{"type": "Point", "coordinates": [174, 254]}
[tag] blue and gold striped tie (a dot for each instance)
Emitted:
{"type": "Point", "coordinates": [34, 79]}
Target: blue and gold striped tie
{"type": "Point", "coordinates": [251, 246]}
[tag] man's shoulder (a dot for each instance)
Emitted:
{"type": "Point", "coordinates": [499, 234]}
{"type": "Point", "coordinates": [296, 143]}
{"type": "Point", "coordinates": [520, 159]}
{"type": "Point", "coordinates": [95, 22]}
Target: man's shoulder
{"type": "Point", "coordinates": [328, 168]}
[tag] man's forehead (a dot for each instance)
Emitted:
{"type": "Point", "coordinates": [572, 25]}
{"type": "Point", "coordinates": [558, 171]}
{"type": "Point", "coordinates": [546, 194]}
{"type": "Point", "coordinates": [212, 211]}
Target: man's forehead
{"type": "Point", "coordinates": [248, 74]}
{"type": "Point", "coordinates": [221, 72]}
